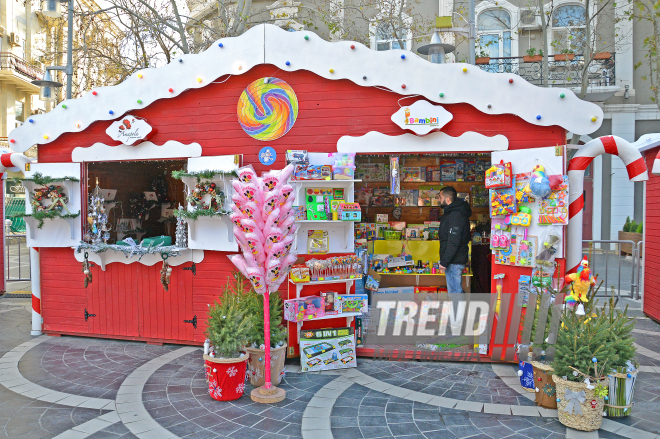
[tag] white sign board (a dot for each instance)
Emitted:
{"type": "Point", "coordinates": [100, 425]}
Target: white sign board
{"type": "Point", "coordinates": [130, 130]}
{"type": "Point", "coordinates": [422, 117]}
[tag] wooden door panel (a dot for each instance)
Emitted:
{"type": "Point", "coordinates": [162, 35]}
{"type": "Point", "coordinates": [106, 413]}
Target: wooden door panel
{"type": "Point", "coordinates": [63, 295]}
{"type": "Point", "coordinates": [161, 313]}
{"type": "Point", "coordinates": [113, 300]}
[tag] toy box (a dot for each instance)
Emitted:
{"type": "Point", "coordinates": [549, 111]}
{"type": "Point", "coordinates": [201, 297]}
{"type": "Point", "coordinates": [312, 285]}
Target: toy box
{"type": "Point", "coordinates": [448, 170]}
{"type": "Point", "coordinates": [372, 172]}
{"type": "Point", "coordinates": [382, 197]}
{"type": "Point", "coordinates": [300, 273]}
{"type": "Point", "coordinates": [400, 261]}
{"type": "Point", "coordinates": [428, 197]}
{"type": "Point", "coordinates": [319, 172]}
{"type": "Point", "coordinates": [327, 349]}
{"type": "Point", "coordinates": [318, 242]}
{"type": "Point", "coordinates": [460, 170]}
{"type": "Point", "coordinates": [407, 198]}
{"type": "Point", "coordinates": [363, 196]}
{"type": "Point", "coordinates": [352, 302]}
{"type": "Point", "coordinates": [499, 176]}
{"type": "Point", "coordinates": [300, 213]}
{"type": "Point", "coordinates": [413, 174]}
{"type": "Point", "coordinates": [349, 212]}
{"type": "Point", "coordinates": [433, 173]}
{"type": "Point", "coordinates": [381, 218]}
{"type": "Point", "coordinates": [305, 308]}
{"type": "Point", "coordinates": [297, 157]}
{"type": "Point", "coordinates": [317, 201]}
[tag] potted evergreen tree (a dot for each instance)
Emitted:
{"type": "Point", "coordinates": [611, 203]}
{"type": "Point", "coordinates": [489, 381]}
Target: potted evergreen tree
{"type": "Point", "coordinates": [228, 327]}
{"type": "Point", "coordinates": [278, 335]}
{"type": "Point", "coordinates": [631, 232]}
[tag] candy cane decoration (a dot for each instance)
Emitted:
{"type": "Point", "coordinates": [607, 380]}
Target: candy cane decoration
{"type": "Point", "coordinates": [635, 166]}
{"type": "Point", "coordinates": [13, 159]}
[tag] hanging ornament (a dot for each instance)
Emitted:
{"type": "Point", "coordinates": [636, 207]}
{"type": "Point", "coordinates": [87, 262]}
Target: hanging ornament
{"type": "Point", "coordinates": [86, 271]}
{"type": "Point", "coordinates": [165, 273]}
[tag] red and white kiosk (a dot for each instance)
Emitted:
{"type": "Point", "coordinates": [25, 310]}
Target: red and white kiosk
{"type": "Point", "coordinates": [346, 96]}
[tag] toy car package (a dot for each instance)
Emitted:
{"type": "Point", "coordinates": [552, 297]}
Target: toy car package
{"type": "Point", "coordinates": [327, 349]}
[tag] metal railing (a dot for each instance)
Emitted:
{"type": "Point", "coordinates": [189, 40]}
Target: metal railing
{"type": "Point", "coordinates": [611, 251]}
{"type": "Point", "coordinates": [561, 73]}
{"type": "Point", "coordinates": [17, 258]}
{"type": "Point", "coordinates": [9, 61]}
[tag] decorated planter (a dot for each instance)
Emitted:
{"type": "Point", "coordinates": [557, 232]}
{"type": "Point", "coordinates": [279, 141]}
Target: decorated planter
{"type": "Point", "coordinates": [579, 407]}
{"type": "Point", "coordinates": [482, 60]}
{"type": "Point", "coordinates": [620, 394]}
{"type": "Point", "coordinates": [256, 365]}
{"type": "Point", "coordinates": [626, 247]}
{"type": "Point", "coordinates": [226, 377]}
{"type": "Point", "coordinates": [564, 57]}
{"type": "Point", "coordinates": [546, 396]}
{"type": "Point", "coordinates": [535, 58]}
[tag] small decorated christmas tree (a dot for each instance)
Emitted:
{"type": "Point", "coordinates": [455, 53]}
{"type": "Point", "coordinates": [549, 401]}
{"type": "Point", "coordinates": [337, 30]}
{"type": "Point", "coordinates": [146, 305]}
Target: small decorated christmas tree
{"type": "Point", "coordinates": [181, 234]}
{"type": "Point", "coordinates": [97, 218]}
{"type": "Point", "coordinates": [228, 325]}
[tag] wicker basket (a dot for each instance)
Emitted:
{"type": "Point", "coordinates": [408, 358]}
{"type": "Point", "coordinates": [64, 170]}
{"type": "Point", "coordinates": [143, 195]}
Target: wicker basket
{"type": "Point", "coordinates": [591, 418]}
{"type": "Point", "coordinates": [547, 394]}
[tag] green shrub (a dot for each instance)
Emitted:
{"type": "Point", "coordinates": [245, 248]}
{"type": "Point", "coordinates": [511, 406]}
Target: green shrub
{"type": "Point", "coordinates": [640, 228]}
{"type": "Point", "coordinates": [626, 225]}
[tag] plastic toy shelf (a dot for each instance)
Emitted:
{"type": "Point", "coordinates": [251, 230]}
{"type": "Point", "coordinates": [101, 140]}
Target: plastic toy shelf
{"type": "Point", "coordinates": [325, 222]}
{"type": "Point", "coordinates": [328, 183]}
{"type": "Point", "coordinates": [420, 274]}
{"type": "Point", "coordinates": [300, 285]}
{"type": "Point", "coordinates": [348, 315]}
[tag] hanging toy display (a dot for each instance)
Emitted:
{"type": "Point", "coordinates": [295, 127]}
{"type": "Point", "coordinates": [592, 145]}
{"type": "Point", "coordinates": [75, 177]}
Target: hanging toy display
{"type": "Point", "coordinates": [165, 273]}
{"type": "Point", "coordinates": [540, 184]}
{"type": "Point", "coordinates": [181, 233]}
{"type": "Point", "coordinates": [86, 270]}
{"type": "Point", "coordinates": [98, 230]}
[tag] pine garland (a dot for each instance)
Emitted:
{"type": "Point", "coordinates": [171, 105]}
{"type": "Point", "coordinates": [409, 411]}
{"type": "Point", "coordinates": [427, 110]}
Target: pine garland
{"type": "Point", "coordinates": [43, 180]}
{"type": "Point", "coordinates": [130, 251]}
{"type": "Point", "coordinates": [200, 212]}
{"type": "Point", "coordinates": [228, 325]}
{"type": "Point", "coordinates": [202, 175]}
{"type": "Point", "coordinates": [44, 215]}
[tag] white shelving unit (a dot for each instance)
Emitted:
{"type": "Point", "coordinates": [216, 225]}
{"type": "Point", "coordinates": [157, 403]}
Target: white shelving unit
{"type": "Point", "coordinates": [340, 233]}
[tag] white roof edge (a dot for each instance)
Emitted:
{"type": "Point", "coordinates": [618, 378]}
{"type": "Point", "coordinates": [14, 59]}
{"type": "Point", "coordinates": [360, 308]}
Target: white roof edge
{"type": "Point", "coordinates": [268, 44]}
{"type": "Point", "coordinates": [647, 141]}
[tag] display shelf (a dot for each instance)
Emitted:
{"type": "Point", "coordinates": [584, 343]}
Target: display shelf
{"type": "Point", "coordinates": [33, 223]}
{"type": "Point", "coordinates": [113, 256]}
{"type": "Point", "coordinates": [340, 235]}
{"type": "Point", "coordinates": [349, 316]}
{"type": "Point", "coordinates": [419, 274]}
{"type": "Point", "coordinates": [204, 233]}
{"type": "Point", "coordinates": [299, 187]}
{"type": "Point", "coordinates": [300, 285]}
{"type": "Point", "coordinates": [333, 222]}
{"type": "Point", "coordinates": [327, 183]}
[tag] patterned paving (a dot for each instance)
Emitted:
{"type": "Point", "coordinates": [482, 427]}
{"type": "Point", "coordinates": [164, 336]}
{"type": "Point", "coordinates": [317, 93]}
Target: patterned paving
{"type": "Point", "coordinates": [167, 383]}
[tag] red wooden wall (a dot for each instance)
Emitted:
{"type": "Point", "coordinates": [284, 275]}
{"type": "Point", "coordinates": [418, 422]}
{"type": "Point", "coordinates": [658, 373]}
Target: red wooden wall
{"type": "Point", "coordinates": [129, 298]}
{"type": "Point", "coordinates": [651, 291]}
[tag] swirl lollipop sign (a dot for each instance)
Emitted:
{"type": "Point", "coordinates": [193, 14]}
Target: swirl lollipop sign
{"type": "Point", "coordinates": [267, 109]}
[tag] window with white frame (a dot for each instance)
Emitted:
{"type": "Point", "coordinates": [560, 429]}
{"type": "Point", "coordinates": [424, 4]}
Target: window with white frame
{"type": "Point", "coordinates": [387, 38]}
{"type": "Point", "coordinates": [494, 33]}
{"type": "Point", "coordinates": [568, 29]}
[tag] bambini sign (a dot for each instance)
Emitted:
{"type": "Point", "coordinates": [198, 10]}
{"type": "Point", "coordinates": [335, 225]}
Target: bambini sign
{"type": "Point", "coordinates": [421, 117]}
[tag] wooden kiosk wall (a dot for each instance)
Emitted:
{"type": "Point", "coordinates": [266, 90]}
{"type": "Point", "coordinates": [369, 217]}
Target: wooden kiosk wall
{"type": "Point", "coordinates": [651, 302]}
{"type": "Point", "coordinates": [128, 299]}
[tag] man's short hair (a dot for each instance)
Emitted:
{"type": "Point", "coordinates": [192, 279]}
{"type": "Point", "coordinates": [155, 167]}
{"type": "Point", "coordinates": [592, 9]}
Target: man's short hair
{"type": "Point", "coordinates": [449, 192]}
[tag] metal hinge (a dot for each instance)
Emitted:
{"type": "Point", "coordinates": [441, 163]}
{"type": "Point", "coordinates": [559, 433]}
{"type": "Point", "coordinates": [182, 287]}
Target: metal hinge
{"type": "Point", "coordinates": [88, 315]}
{"type": "Point", "coordinates": [193, 321]}
{"type": "Point", "coordinates": [192, 268]}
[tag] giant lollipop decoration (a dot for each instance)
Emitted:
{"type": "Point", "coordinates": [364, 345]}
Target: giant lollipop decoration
{"type": "Point", "coordinates": [264, 228]}
{"type": "Point", "coordinates": [267, 109]}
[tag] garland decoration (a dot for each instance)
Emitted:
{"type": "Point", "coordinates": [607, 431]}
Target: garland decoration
{"type": "Point", "coordinates": [44, 215]}
{"type": "Point", "coordinates": [132, 249]}
{"type": "Point", "coordinates": [202, 175]}
{"type": "Point", "coordinates": [44, 180]}
{"type": "Point", "coordinates": [193, 215]}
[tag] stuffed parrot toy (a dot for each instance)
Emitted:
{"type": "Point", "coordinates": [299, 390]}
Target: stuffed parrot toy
{"type": "Point", "coordinates": [581, 281]}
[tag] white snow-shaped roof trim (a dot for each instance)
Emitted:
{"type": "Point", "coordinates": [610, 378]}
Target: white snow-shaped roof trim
{"type": "Point", "coordinates": [401, 71]}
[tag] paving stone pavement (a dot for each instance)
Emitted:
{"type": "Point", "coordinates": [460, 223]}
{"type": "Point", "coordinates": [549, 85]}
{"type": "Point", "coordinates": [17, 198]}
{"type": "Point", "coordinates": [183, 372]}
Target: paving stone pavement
{"type": "Point", "coordinates": [318, 406]}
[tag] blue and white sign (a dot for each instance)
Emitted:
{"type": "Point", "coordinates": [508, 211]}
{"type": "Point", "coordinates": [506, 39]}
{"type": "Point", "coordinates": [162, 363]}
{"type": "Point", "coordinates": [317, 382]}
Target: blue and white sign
{"type": "Point", "coordinates": [267, 156]}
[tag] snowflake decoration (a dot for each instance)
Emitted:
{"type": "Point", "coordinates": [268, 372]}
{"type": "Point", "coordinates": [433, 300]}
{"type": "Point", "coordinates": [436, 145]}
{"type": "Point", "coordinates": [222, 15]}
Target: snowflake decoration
{"type": "Point", "coordinates": [215, 390]}
{"type": "Point", "coordinates": [240, 388]}
{"type": "Point", "coordinates": [232, 371]}
{"type": "Point", "coordinates": [549, 389]}
{"type": "Point", "coordinates": [528, 380]}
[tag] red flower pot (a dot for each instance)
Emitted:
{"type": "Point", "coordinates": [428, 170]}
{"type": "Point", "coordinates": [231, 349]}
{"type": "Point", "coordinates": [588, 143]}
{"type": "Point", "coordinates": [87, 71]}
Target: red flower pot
{"type": "Point", "coordinates": [226, 377]}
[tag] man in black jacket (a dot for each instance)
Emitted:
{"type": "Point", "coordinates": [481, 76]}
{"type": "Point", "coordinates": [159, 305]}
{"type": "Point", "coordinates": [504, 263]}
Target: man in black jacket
{"type": "Point", "coordinates": [454, 237]}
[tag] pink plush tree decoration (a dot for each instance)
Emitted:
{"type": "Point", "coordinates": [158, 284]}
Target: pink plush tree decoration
{"type": "Point", "coordinates": [264, 228]}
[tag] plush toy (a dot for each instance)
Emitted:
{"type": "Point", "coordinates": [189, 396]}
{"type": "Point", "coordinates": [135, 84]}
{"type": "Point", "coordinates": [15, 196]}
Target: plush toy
{"type": "Point", "coordinates": [546, 255]}
{"type": "Point", "coordinates": [540, 185]}
{"type": "Point", "coordinates": [581, 281]}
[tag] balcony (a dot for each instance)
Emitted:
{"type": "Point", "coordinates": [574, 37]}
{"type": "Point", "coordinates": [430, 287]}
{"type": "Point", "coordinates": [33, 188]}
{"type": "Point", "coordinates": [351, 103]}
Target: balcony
{"type": "Point", "coordinates": [19, 72]}
{"type": "Point", "coordinates": [566, 74]}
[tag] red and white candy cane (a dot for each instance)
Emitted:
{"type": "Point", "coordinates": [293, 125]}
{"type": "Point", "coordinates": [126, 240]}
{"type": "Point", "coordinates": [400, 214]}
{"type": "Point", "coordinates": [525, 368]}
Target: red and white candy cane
{"type": "Point", "coordinates": [635, 166]}
{"type": "Point", "coordinates": [13, 159]}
